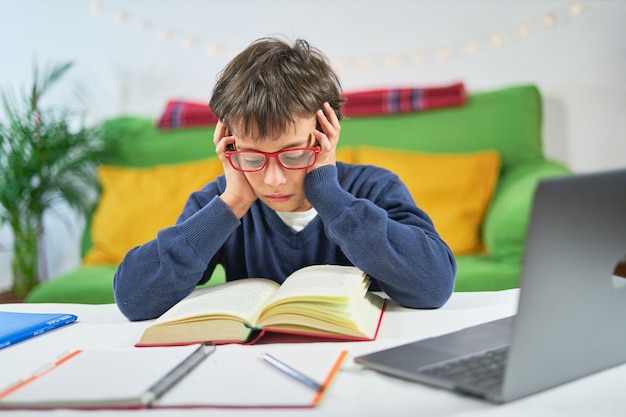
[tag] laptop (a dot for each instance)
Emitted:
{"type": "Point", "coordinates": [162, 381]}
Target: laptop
{"type": "Point", "coordinates": [571, 313]}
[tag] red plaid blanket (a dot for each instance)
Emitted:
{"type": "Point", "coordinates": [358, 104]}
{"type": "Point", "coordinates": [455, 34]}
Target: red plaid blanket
{"type": "Point", "coordinates": [403, 100]}
{"type": "Point", "coordinates": [180, 114]}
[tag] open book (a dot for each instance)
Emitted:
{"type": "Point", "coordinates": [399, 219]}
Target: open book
{"type": "Point", "coordinates": [173, 377]}
{"type": "Point", "coordinates": [321, 300]}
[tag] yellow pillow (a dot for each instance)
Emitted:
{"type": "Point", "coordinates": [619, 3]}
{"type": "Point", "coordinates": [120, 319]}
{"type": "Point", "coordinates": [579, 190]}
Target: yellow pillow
{"type": "Point", "coordinates": [453, 189]}
{"type": "Point", "coordinates": [345, 154]}
{"type": "Point", "coordinates": [138, 202]}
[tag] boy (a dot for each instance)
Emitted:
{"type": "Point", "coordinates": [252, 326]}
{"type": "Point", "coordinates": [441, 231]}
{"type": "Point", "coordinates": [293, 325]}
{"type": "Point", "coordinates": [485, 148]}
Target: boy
{"type": "Point", "coordinates": [284, 202]}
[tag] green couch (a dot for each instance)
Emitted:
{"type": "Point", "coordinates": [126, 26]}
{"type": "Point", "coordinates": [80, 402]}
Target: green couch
{"type": "Point", "coordinates": [508, 120]}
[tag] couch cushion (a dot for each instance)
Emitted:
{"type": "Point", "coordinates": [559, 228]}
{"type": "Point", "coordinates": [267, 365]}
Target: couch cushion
{"type": "Point", "coordinates": [91, 284]}
{"type": "Point", "coordinates": [345, 154]}
{"type": "Point", "coordinates": [505, 227]}
{"type": "Point", "coordinates": [86, 285]}
{"type": "Point", "coordinates": [454, 189]}
{"type": "Point", "coordinates": [137, 202]}
{"type": "Point", "coordinates": [137, 142]}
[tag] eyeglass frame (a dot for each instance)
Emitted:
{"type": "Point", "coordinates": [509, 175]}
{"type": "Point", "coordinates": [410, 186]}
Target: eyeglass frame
{"type": "Point", "coordinates": [316, 151]}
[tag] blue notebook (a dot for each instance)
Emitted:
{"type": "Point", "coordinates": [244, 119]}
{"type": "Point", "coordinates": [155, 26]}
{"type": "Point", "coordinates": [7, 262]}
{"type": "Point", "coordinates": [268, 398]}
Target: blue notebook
{"type": "Point", "coordinates": [16, 326]}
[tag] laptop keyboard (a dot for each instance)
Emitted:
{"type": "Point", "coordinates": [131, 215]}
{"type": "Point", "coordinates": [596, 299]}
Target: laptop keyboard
{"type": "Point", "coordinates": [483, 372]}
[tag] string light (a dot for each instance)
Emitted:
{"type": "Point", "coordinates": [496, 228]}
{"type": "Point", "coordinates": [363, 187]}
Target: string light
{"type": "Point", "coordinates": [96, 6]}
{"type": "Point", "coordinates": [166, 35]}
{"type": "Point", "coordinates": [472, 46]}
{"type": "Point", "coordinates": [443, 53]}
{"type": "Point", "coordinates": [496, 40]}
{"type": "Point", "coordinates": [391, 62]}
{"type": "Point", "coordinates": [187, 43]}
{"type": "Point", "coordinates": [143, 26]}
{"type": "Point", "coordinates": [504, 36]}
{"type": "Point", "coordinates": [338, 64]}
{"type": "Point", "coordinates": [576, 8]}
{"type": "Point", "coordinates": [523, 30]}
{"type": "Point", "coordinates": [418, 58]}
{"type": "Point", "coordinates": [212, 50]}
{"type": "Point", "coordinates": [119, 17]}
{"type": "Point", "coordinates": [549, 21]}
{"type": "Point", "coordinates": [364, 64]}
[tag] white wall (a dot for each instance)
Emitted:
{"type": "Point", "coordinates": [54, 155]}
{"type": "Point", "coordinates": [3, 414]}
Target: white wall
{"type": "Point", "coordinates": [579, 64]}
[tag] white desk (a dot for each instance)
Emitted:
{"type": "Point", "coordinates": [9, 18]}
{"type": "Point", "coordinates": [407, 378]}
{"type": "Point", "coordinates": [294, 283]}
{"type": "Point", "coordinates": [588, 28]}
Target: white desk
{"type": "Point", "coordinates": [355, 391]}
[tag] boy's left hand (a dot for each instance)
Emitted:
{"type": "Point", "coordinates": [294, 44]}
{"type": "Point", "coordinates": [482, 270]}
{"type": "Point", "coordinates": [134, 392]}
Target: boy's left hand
{"type": "Point", "coordinates": [327, 139]}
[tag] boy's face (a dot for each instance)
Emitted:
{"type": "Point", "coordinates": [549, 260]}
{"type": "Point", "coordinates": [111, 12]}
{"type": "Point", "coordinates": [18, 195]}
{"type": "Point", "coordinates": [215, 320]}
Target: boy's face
{"type": "Point", "coordinates": [279, 188]}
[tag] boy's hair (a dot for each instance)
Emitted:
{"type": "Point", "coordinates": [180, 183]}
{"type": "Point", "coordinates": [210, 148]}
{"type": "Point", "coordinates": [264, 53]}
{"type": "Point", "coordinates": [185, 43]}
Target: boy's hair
{"type": "Point", "coordinates": [270, 83]}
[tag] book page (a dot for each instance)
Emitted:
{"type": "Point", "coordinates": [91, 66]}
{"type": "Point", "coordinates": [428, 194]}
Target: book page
{"type": "Point", "coordinates": [325, 299]}
{"type": "Point", "coordinates": [242, 298]}
{"type": "Point", "coordinates": [325, 282]}
{"type": "Point", "coordinates": [360, 322]}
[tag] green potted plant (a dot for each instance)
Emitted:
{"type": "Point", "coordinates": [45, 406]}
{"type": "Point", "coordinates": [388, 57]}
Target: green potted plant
{"type": "Point", "coordinates": [47, 156]}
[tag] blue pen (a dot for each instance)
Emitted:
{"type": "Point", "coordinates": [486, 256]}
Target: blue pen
{"type": "Point", "coordinates": [292, 372]}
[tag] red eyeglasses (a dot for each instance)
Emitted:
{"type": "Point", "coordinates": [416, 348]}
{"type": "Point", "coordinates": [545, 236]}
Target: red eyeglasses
{"type": "Point", "coordinates": [294, 158]}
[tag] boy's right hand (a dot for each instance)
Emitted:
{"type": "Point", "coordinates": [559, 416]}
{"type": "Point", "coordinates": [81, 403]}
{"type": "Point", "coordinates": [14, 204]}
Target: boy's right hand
{"type": "Point", "coordinates": [238, 195]}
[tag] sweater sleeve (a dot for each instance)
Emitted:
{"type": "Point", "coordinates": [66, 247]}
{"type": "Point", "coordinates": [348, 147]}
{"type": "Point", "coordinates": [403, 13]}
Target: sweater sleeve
{"type": "Point", "coordinates": [156, 275]}
{"type": "Point", "coordinates": [380, 229]}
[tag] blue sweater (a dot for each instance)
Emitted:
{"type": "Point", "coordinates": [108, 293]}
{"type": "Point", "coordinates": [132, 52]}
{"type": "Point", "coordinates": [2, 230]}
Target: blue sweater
{"type": "Point", "coordinates": [366, 217]}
